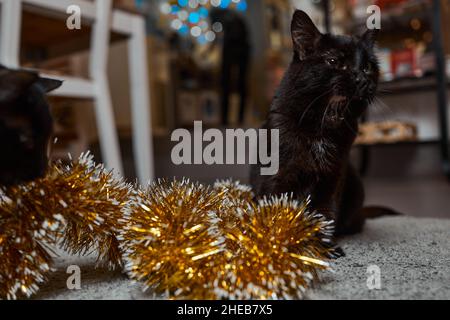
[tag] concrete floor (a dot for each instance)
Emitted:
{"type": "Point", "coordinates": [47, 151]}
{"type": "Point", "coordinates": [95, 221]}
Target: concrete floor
{"type": "Point", "coordinates": [412, 256]}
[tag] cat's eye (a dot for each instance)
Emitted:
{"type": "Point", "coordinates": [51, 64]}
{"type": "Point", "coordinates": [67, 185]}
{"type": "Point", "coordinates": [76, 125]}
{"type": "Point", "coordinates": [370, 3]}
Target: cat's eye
{"type": "Point", "coordinates": [368, 69]}
{"type": "Point", "coordinates": [332, 61]}
{"type": "Point", "coordinates": [26, 140]}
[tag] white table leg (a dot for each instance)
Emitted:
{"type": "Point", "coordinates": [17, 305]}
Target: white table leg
{"type": "Point", "coordinates": [140, 102]}
{"type": "Point", "coordinates": [10, 29]}
{"type": "Point", "coordinates": [109, 141]}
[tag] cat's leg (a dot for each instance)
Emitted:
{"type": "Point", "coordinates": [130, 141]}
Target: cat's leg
{"type": "Point", "coordinates": [324, 201]}
{"type": "Point", "coordinates": [268, 186]}
{"type": "Point", "coordinates": [350, 217]}
{"type": "Point", "coordinates": [325, 195]}
{"type": "Point", "coordinates": [256, 180]}
{"type": "Point", "coordinates": [274, 185]}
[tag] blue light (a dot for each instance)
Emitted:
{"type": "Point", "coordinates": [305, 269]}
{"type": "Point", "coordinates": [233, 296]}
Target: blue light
{"type": "Point", "coordinates": [139, 3]}
{"type": "Point", "coordinates": [194, 17]}
{"type": "Point", "coordinates": [183, 3]}
{"type": "Point", "coordinates": [175, 9]}
{"type": "Point", "coordinates": [203, 12]}
{"type": "Point", "coordinates": [201, 39]}
{"type": "Point", "coordinates": [242, 6]}
{"type": "Point", "coordinates": [184, 30]}
{"type": "Point", "coordinates": [225, 4]}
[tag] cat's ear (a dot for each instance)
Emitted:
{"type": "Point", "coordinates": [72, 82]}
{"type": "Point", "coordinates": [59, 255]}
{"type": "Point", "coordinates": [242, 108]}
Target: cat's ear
{"type": "Point", "coordinates": [369, 38]}
{"type": "Point", "coordinates": [305, 34]}
{"type": "Point", "coordinates": [48, 85]}
{"type": "Point", "coordinates": [14, 82]}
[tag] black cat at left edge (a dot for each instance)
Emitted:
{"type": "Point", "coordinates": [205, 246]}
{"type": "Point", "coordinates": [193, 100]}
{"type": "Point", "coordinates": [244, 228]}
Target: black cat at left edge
{"type": "Point", "coordinates": [26, 125]}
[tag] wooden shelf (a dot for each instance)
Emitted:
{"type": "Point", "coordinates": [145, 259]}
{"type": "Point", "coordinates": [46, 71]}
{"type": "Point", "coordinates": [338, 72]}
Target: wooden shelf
{"type": "Point", "coordinates": [408, 85]}
{"type": "Point", "coordinates": [73, 87]}
{"type": "Point", "coordinates": [394, 17]}
{"type": "Point", "coordinates": [53, 39]}
{"type": "Point", "coordinates": [399, 143]}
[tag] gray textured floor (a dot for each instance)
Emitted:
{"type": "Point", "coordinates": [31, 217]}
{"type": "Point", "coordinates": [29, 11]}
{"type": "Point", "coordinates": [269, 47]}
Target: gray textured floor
{"type": "Point", "coordinates": [413, 255]}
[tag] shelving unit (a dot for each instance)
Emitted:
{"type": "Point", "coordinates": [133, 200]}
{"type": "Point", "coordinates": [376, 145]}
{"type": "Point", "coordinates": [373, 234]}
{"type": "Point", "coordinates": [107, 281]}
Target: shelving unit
{"type": "Point", "coordinates": [405, 86]}
{"type": "Point", "coordinates": [400, 14]}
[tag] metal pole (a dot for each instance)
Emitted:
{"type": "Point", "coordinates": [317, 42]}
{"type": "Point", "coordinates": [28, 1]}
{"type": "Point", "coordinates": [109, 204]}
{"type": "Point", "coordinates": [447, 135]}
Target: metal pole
{"type": "Point", "coordinates": [327, 15]}
{"type": "Point", "coordinates": [442, 85]}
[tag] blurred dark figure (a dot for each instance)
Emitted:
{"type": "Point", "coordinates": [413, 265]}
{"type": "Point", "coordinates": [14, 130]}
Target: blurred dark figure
{"type": "Point", "coordinates": [235, 58]}
{"type": "Point", "coordinates": [25, 125]}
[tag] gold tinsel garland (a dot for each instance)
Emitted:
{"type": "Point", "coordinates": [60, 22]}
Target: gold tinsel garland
{"type": "Point", "coordinates": [186, 241]}
{"type": "Point", "coordinates": [94, 203]}
{"type": "Point", "coordinates": [172, 238]}
{"type": "Point", "coordinates": [78, 206]}
{"type": "Point", "coordinates": [275, 251]}
{"type": "Point", "coordinates": [25, 227]}
{"type": "Point", "coordinates": [181, 239]}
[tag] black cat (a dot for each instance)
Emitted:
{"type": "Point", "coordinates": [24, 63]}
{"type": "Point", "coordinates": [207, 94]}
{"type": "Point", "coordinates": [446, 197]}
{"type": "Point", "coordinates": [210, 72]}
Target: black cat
{"type": "Point", "coordinates": [328, 86]}
{"type": "Point", "coordinates": [25, 125]}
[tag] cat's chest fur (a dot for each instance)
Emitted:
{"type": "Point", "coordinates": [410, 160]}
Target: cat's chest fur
{"type": "Point", "coordinates": [324, 153]}
{"type": "Point", "coordinates": [312, 154]}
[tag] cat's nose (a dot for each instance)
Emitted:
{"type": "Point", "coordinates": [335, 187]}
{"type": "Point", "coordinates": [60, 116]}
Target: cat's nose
{"type": "Point", "coordinates": [357, 76]}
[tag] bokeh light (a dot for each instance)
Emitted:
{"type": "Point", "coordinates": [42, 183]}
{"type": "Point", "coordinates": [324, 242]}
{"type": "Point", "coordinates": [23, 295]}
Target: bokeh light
{"type": "Point", "coordinates": [191, 17]}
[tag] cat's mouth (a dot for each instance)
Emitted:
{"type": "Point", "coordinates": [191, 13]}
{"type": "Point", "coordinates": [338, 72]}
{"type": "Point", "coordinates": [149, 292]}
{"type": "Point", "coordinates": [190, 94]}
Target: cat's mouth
{"type": "Point", "coordinates": [335, 117]}
{"type": "Point", "coordinates": [337, 103]}
{"type": "Point", "coordinates": [337, 99]}
{"type": "Point", "coordinates": [359, 98]}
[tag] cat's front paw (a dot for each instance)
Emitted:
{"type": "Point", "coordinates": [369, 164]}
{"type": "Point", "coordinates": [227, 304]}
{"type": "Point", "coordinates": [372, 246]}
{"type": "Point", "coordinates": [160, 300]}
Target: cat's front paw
{"type": "Point", "coordinates": [327, 212]}
{"type": "Point", "coordinates": [335, 252]}
{"type": "Point", "coordinates": [338, 252]}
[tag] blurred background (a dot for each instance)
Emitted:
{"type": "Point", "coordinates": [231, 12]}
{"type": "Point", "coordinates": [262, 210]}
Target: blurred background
{"type": "Point", "coordinates": [220, 61]}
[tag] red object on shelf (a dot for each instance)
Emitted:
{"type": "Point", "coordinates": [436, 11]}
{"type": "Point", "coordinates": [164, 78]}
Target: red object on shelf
{"type": "Point", "coordinates": [388, 3]}
{"type": "Point", "coordinates": [404, 63]}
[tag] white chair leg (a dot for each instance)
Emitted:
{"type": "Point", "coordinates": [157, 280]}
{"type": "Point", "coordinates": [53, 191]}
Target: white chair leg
{"type": "Point", "coordinates": [140, 102]}
{"type": "Point", "coordinates": [10, 29]}
{"type": "Point", "coordinates": [109, 141]}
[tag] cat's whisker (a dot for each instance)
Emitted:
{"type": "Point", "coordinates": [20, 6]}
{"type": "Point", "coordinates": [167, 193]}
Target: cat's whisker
{"type": "Point", "coordinates": [383, 104]}
{"type": "Point", "coordinates": [345, 120]}
{"type": "Point", "coordinates": [382, 108]}
{"type": "Point", "coordinates": [334, 88]}
{"type": "Point", "coordinates": [384, 91]}
{"type": "Point", "coordinates": [347, 109]}
{"type": "Point", "coordinates": [323, 118]}
{"type": "Point", "coordinates": [311, 104]}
